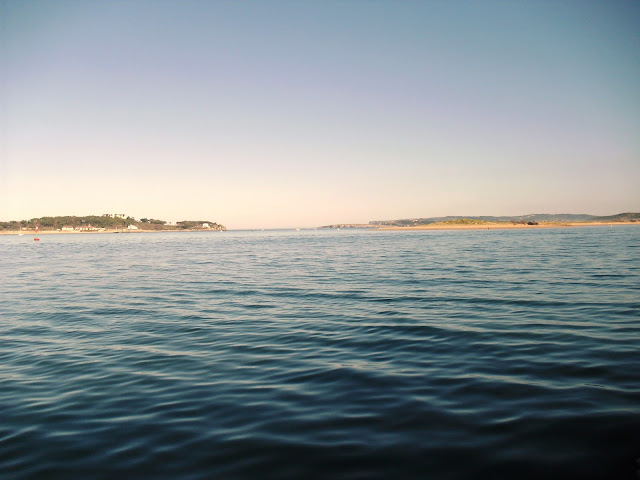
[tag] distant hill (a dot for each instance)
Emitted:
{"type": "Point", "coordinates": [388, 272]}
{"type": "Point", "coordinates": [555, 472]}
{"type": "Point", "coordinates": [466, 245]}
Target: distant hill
{"type": "Point", "coordinates": [537, 217]}
{"type": "Point", "coordinates": [620, 217]}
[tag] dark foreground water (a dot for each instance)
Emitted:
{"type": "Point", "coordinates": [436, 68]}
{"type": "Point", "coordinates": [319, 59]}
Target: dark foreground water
{"type": "Point", "coordinates": [482, 354]}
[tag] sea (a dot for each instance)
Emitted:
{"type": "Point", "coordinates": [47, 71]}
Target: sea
{"type": "Point", "coordinates": [350, 354]}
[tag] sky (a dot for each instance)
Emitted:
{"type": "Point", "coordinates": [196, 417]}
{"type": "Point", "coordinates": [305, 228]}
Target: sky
{"type": "Point", "coordinates": [274, 114]}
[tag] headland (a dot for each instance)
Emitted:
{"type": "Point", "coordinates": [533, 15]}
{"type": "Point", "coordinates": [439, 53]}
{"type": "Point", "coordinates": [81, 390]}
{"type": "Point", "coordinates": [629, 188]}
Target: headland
{"type": "Point", "coordinates": [107, 223]}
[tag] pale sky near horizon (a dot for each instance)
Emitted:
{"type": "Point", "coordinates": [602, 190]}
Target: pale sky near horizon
{"type": "Point", "coordinates": [299, 114]}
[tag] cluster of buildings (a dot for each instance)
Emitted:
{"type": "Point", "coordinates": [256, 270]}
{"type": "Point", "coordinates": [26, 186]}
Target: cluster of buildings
{"type": "Point", "coordinates": [82, 228]}
{"type": "Point", "coordinates": [90, 228]}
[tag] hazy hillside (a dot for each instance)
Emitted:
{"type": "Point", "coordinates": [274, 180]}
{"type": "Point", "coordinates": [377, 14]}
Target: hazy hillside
{"type": "Point", "coordinates": [536, 217]}
{"type": "Point", "coordinates": [620, 217]}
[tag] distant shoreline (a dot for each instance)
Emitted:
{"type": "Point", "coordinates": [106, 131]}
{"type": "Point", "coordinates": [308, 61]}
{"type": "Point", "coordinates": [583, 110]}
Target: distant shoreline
{"type": "Point", "coordinates": [95, 232]}
{"type": "Point", "coordinates": [486, 226]}
{"type": "Point", "coordinates": [507, 226]}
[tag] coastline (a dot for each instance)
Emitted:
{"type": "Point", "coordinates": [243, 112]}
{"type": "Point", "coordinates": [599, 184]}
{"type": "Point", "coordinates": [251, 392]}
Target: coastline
{"type": "Point", "coordinates": [96, 232]}
{"type": "Point", "coordinates": [487, 226]}
{"type": "Point", "coordinates": [508, 226]}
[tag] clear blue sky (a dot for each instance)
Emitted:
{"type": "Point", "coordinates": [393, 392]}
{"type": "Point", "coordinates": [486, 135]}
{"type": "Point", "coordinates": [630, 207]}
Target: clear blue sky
{"type": "Point", "coordinates": [285, 114]}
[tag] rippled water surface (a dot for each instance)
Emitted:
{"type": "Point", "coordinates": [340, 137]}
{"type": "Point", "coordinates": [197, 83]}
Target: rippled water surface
{"type": "Point", "coordinates": [321, 354]}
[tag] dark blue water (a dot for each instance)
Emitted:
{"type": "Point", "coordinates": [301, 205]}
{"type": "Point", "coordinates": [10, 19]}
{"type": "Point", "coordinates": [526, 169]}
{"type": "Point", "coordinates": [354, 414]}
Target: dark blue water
{"type": "Point", "coordinates": [476, 354]}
